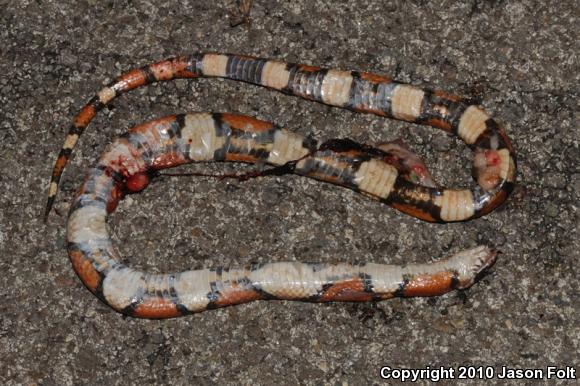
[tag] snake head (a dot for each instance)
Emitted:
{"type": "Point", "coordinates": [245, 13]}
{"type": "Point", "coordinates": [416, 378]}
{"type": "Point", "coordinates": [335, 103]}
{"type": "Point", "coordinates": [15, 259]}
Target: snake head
{"type": "Point", "coordinates": [470, 264]}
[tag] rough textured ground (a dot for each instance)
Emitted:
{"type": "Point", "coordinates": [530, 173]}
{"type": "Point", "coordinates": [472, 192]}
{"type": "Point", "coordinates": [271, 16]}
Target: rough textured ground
{"type": "Point", "coordinates": [520, 58]}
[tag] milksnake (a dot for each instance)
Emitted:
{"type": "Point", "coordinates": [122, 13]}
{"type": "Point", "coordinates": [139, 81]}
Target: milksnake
{"type": "Point", "coordinates": [389, 173]}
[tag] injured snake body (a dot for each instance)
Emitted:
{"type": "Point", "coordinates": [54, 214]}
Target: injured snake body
{"type": "Point", "coordinates": [389, 173]}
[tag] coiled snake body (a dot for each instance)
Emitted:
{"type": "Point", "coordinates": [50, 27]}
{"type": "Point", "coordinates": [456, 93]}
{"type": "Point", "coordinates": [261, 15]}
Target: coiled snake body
{"type": "Point", "coordinates": [389, 173]}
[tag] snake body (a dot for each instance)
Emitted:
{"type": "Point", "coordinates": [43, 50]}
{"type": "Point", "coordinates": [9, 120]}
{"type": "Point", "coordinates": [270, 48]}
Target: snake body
{"type": "Point", "coordinates": [130, 161]}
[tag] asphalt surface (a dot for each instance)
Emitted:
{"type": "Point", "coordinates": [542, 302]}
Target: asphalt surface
{"type": "Point", "coordinates": [519, 58]}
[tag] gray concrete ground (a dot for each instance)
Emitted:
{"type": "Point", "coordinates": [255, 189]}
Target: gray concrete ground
{"type": "Point", "coordinates": [520, 58]}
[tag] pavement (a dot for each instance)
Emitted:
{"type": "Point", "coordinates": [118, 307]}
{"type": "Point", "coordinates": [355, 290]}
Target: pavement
{"type": "Point", "coordinates": [518, 58]}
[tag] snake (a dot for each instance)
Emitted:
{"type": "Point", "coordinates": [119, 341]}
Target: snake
{"type": "Point", "coordinates": [389, 173]}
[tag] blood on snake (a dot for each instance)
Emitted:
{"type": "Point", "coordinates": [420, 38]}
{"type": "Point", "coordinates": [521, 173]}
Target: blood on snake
{"type": "Point", "coordinates": [389, 173]}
